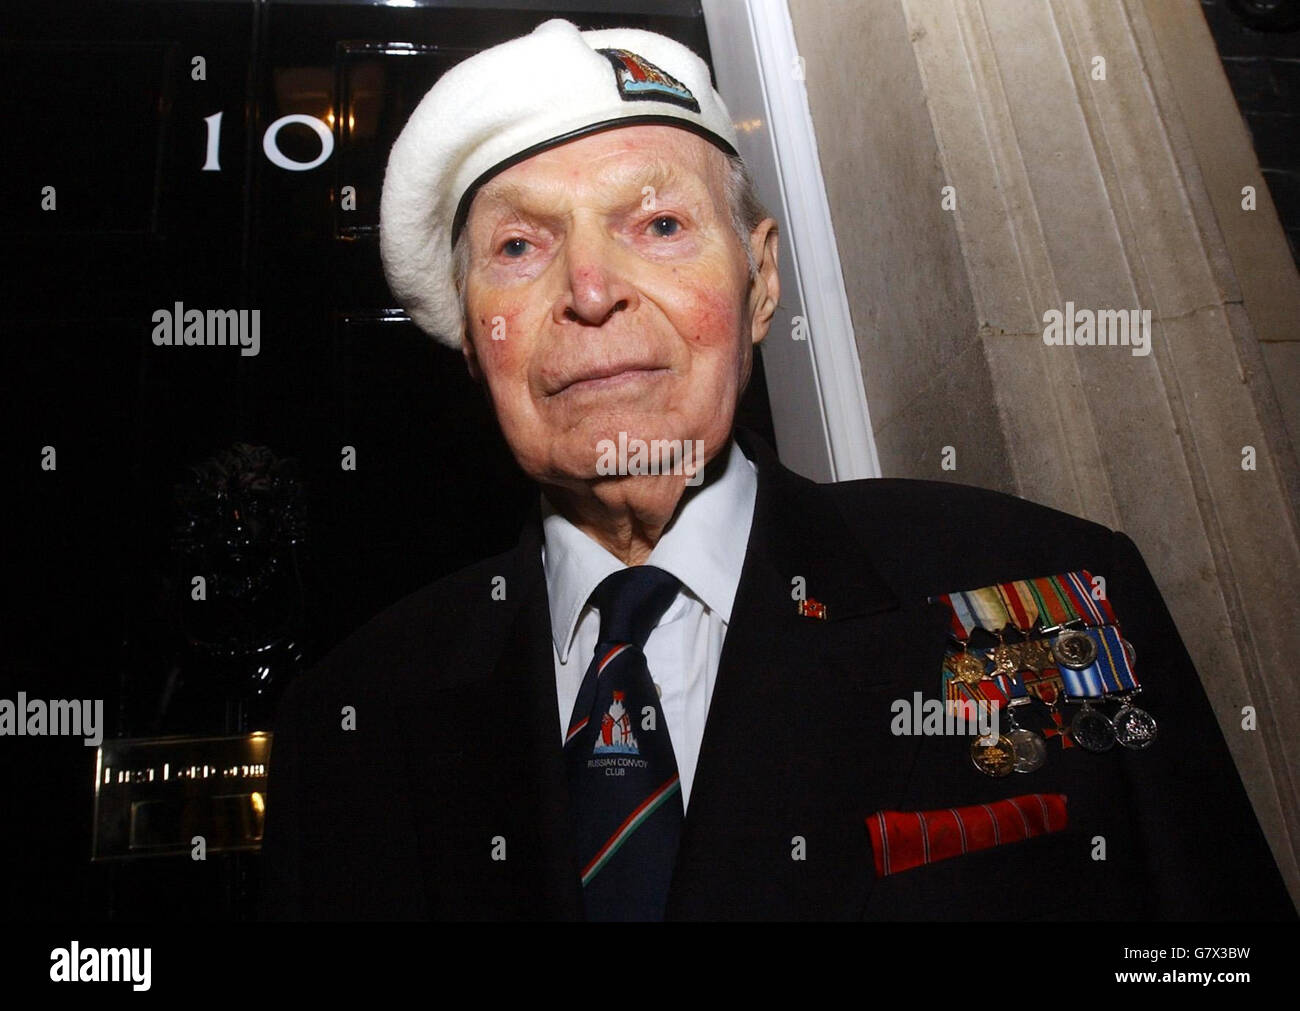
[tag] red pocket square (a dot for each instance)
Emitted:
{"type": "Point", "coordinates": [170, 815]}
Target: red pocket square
{"type": "Point", "coordinates": [902, 840]}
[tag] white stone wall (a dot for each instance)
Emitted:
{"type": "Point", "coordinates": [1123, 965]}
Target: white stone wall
{"type": "Point", "coordinates": [1120, 191]}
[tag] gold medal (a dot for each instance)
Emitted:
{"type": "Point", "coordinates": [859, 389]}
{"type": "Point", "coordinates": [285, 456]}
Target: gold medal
{"type": "Point", "coordinates": [1035, 655]}
{"type": "Point", "coordinates": [968, 668]}
{"type": "Point", "coordinates": [1006, 658]}
{"type": "Point", "coordinates": [1031, 654]}
{"type": "Point", "coordinates": [996, 759]}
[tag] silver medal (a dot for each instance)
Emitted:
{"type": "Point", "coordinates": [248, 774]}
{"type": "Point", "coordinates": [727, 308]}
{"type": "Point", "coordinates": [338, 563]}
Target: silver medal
{"type": "Point", "coordinates": [1031, 750]}
{"type": "Point", "coordinates": [1074, 649]}
{"type": "Point", "coordinates": [1092, 730]}
{"type": "Point", "coordinates": [1134, 728]}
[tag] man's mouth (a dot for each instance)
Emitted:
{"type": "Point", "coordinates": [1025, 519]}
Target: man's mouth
{"type": "Point", "coordinates": [604, 378]}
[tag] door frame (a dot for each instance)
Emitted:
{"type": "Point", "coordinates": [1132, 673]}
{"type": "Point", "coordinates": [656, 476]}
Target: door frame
{"type": "Point", "coordinates": [810, 356]}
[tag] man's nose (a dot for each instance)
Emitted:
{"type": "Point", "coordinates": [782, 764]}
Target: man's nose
{"type": "Point", "coordinates": [597, 283]}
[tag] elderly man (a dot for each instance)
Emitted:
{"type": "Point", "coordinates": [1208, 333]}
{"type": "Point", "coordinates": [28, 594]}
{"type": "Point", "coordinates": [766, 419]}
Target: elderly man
{"type": "Point", "coordinates": [698, 686]}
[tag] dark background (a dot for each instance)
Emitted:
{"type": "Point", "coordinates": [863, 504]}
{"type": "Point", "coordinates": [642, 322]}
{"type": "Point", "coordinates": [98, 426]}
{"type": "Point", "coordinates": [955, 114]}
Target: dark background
{"type": "Point", "coordinates": [97, 100]}
{"type": "Point", "coordinates": [1259, 43]}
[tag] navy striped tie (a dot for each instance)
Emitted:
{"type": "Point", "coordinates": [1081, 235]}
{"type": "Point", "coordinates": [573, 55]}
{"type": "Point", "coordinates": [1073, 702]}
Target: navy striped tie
{"type": "Point", "coordinates": [622, 772]}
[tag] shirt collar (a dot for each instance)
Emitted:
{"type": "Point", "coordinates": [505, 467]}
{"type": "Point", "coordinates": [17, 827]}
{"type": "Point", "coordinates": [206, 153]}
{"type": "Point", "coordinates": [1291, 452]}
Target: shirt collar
{"type": "Point", "coordinates": [704, 547]}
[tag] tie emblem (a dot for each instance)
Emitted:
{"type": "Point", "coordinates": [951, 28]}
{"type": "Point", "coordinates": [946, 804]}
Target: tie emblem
{"type": "Point", "coordinates": [616, 729]}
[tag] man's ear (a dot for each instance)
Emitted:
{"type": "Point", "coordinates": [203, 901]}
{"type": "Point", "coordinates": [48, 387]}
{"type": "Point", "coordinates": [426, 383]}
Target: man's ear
{"type": "Point", "coordinates": [765, 287]}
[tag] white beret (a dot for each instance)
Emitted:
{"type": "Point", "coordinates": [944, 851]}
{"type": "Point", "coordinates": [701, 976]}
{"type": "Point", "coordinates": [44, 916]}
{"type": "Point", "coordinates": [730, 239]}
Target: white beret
{"type": "Point", "coordinates": [508, 103]}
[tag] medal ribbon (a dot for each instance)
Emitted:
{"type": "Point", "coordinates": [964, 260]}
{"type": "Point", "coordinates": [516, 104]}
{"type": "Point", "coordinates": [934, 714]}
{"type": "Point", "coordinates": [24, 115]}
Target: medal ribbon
{"type": "Point", "coordinates": [1053, 604]}
{"type": "Point", "coordinates": [1011, 686]}
{"type": "Point", "coordinates": [1020, 603]}
{"type": "Point", "coordinates": [1055, 600]}
{"type": "Point", "coordinates": [1109, 674]}
{"type": "Point", "coordinates": [987, 604]}
{"type": "Point", "coordinates": [959, 615]}
{"type": "Point", "coordinates": [1022, 612]}
{"type": "Point", "coordinates": [1068, 597]}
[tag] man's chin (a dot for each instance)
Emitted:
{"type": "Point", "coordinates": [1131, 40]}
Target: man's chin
{"type": "Point", "coordinates": [610, 456]}
{"type": "Point", "coordinates": [585, 434]}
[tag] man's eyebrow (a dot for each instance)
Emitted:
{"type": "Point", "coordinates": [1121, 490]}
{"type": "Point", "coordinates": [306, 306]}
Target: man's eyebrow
{"type": "Point", "coordinates": [661, 175]}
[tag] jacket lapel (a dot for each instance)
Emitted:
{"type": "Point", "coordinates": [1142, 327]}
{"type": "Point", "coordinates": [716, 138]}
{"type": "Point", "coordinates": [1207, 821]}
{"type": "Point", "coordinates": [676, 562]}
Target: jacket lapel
{"type": "Point", "coordinates": [526, 669]}
{"type": "Point", "coordinates": [797, 748]}
{"type": "Point", "coordinates": [485, 744]}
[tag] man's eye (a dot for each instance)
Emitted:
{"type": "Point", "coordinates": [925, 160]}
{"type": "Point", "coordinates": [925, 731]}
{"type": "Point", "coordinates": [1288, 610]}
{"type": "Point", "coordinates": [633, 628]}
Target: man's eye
{"type": "Point", "coordinates": [666, 226]}
{"type": "Point", "coordinates": [514, 247]}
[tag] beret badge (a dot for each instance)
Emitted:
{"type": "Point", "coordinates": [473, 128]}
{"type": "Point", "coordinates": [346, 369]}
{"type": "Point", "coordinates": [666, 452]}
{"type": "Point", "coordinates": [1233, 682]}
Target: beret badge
{"type": "Point", "coordinates": [639, 80]}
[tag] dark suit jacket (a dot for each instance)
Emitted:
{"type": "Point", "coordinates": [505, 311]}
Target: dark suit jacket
{"type": "Point", "coordinates": [456, 747]}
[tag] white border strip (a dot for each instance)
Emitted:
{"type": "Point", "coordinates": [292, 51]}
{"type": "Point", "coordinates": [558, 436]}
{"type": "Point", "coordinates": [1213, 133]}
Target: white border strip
{"type": "Point", "coordinates": [810, 235]}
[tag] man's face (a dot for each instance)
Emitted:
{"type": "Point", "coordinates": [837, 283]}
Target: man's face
{"type": "Point", "coordinates": [607, 292]}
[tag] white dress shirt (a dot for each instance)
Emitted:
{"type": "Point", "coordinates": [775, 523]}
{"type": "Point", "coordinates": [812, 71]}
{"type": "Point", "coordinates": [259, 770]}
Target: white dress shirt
{"type": "Point", "coordinates": [704, 547]}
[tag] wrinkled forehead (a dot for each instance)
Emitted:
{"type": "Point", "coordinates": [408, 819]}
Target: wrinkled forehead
{"type": "Point", "coordinates": [610, 171]}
